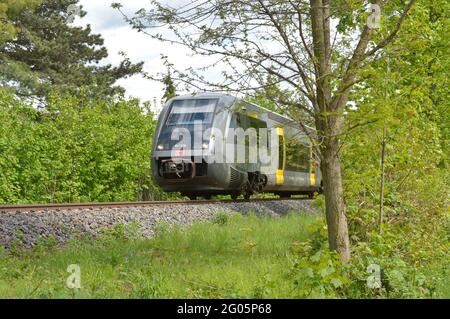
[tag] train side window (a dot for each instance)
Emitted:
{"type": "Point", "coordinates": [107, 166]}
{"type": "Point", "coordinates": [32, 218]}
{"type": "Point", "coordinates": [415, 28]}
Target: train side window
{"type": "Point", "coordinates": [245, 122]}
{"type": "Point", "coordinates": [297, 156]}
{"type": "Point", "coordinates": [258, 124]}
{"type": "Point", "coordinates": [265, 131]}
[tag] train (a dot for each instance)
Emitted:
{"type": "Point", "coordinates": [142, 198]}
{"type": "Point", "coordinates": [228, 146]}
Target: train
{"type": "Point", "coordinates": [209, 144]}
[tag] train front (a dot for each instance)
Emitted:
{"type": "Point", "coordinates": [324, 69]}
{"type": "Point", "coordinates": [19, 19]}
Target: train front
{"type": "Point", "coordinates": [182, 141]}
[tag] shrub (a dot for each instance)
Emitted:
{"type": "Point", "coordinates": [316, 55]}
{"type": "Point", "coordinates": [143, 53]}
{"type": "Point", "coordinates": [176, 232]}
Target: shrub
{"type": "Point", "coordinates": [75, 150]}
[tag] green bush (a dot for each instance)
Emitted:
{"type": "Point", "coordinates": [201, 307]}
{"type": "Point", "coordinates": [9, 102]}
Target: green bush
{"type": "Point", "coordinates": [405, 272]}
{"type": "Point", "coordinates": [75, 150]}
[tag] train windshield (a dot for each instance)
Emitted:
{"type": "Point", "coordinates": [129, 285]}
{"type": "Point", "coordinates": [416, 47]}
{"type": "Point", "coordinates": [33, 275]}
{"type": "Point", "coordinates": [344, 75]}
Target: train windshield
{"type": "Point", "coordinates": [187, 112]}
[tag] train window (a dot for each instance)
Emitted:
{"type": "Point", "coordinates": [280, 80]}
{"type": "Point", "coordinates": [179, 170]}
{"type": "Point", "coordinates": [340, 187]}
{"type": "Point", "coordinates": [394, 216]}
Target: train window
{"type": "Point", "coordinates": [244, 121]}
{"type": "Point", "coordinates": [186, 112]}
{"type": "Point", "coordinates": [297, 156]}
{"type": "Point", "coordinates": [258, 124]}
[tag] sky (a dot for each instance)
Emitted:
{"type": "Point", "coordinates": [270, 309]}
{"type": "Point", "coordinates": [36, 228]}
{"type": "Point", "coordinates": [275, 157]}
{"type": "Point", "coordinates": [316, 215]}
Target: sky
{"type": "Point", "coordinates": [119, 36]}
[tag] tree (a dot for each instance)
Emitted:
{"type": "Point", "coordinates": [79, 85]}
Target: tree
{"type": "Point", "coordinates": [407, 92]}
{"type": "Point", "coordinates": [263, 97]}
{"type": "Point", "coordinates": [47, 53]}
{"type": "Point", "coordinates": [295, 42]}
{"type": "Point", "coordinates": [7, 7]}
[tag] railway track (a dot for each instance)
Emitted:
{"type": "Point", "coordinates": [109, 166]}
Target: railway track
{"type": "Point", "coordinates": [70, 206]}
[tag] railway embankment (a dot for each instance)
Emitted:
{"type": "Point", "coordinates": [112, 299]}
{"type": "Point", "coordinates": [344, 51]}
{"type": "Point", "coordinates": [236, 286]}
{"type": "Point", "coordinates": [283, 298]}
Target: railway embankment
{"type": "Point", "coordinates": [35, 225]}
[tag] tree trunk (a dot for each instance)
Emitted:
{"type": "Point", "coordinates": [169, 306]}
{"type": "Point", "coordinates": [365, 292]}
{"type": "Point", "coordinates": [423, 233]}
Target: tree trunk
{"type": "Point", "coordinates": [335, 208]}
{"type": "Point", "coordinates": [328, 117]}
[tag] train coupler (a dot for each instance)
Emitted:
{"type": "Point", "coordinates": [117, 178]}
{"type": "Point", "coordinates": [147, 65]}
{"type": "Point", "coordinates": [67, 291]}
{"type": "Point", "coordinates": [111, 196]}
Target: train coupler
{"type": "Point", "coordinates": [177, 168]}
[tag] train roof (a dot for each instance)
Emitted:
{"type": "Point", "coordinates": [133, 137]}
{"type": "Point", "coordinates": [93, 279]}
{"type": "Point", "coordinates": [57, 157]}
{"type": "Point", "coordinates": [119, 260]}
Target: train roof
{"type": "Point", "coordinates": [273, 115]}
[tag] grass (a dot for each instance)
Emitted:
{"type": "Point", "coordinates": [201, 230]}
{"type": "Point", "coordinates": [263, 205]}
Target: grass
{"type": "Point", "coordinates": [231, 256]}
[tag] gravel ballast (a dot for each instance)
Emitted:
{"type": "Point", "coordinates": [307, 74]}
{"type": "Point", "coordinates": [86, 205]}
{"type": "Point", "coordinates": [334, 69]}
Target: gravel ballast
{"type": "Point", "coordinates": [64, 224]}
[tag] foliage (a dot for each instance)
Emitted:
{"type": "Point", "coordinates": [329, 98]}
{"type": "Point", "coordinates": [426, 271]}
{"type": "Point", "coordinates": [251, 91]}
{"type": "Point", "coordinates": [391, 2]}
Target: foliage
{"type": "Point", "coordinates": [8, 29]}
{"type": "Point", "coordinates": [402, 95]}
{"type": "Point", "coordinates": [404, 92]}
{"type": "Point", "coordinates": [317, 273]}
{"type": "Point", "coordinates": [78, 149]}
{"type": "Point", "coordinates": [47, 54]}
{"type": "Point", "coordinates": [408, 269]}
{"type": "Point", "coordinates": [169, 87]}
{"type": "Point", "coordinates": [263, 96]}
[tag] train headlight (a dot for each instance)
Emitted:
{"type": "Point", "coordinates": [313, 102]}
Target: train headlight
{"type": "Point", "coordinates": [160, 147]}
{"type": "Point", "coordinates": [205, 145]}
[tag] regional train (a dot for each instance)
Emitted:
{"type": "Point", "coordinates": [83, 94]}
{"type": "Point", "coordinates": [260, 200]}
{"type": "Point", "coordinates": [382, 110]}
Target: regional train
{"type": "Point", "coordinates": [193, 150]}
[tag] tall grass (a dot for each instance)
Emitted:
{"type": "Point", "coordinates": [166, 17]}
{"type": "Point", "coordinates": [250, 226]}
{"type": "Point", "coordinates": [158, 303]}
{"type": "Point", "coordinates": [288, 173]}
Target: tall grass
{"type": "Point", "coordinates": [231, 256]}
